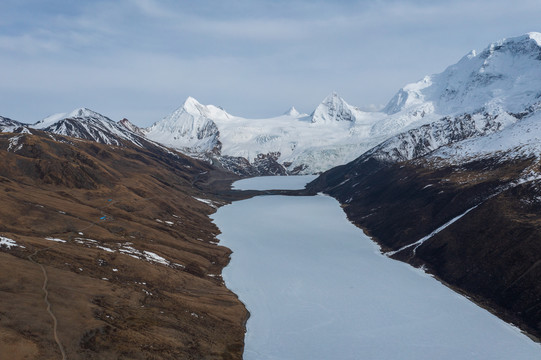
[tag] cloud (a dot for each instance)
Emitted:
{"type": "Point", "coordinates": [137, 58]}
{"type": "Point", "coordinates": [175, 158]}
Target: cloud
{"type": "Point", "coordinates": [254, 57]}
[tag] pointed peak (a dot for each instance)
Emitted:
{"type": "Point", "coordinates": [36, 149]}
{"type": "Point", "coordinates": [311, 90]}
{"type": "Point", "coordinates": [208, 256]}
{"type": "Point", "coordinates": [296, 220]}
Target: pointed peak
{"type": "Point", "coordinates": [292, 112]}
{"type": "Point", "coordinates": [333, 108]}
{"type": "Point", "coordinates": [333, 95]}
{"type": "Point", "coordinates": [77, 113]}
{"type": "Point", "coordinates": [82, 112]}
{"type": "Point", "coordinates": [192, 106]}
{"type": "Point", "coordinates": [190, 101]}
{"type": "Point", "coordinates": [333, 98]}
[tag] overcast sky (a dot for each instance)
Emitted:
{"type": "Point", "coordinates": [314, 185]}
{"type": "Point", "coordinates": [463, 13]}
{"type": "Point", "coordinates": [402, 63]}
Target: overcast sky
{"type": "Point", "coordinates": [140, 59]}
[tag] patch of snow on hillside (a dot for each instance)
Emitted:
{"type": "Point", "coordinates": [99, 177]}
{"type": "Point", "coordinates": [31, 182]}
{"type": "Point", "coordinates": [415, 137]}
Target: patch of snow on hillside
{"type": "Point", "coordinates": [55, 239]}
{"type": "Point", "coordinates": [9, 243]}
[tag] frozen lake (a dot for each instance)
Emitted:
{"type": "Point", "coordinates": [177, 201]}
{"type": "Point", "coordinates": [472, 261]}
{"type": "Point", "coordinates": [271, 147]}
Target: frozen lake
{"type": "Point", "coordinates": [318, 288]}
{"type": "Point", "coordinates": [273, 182]}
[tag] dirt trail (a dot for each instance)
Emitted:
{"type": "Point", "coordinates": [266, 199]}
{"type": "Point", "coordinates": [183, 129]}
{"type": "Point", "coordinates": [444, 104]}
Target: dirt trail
{"type": "Point", "coordinates": [46, 280]}
{"type": "Point", "coordinates": [46, 299]}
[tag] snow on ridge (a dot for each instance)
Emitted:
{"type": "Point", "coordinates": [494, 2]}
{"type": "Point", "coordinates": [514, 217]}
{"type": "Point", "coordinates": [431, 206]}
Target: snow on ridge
{"type": "Point", "coordinates": [77, 113]}
{"type": "Point", "coordinates": [535, 36]}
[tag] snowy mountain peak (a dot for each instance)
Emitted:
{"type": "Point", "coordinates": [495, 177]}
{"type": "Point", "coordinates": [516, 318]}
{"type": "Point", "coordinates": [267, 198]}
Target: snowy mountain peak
{"type": "Point", "coordinates": [505, 76]}
{"type": "Point", "coordinates": [83, 112]}
{"type": "Point", "coordinates": [190, 127]}
{"type": "Point", "coordinates": [77, 113]}
{"type": "Point", "coordinates": [292, 112]}
{"type": "Point", "coordinates": [333, 108]}
{"type": "Point", "coordinates": [87, 124]}
{"type": "Point", "coordinates": [193, 106]}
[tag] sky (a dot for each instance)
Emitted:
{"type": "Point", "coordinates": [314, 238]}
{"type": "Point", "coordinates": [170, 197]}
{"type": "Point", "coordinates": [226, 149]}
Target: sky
{"type": "Point", "coordinates": [140, 59]}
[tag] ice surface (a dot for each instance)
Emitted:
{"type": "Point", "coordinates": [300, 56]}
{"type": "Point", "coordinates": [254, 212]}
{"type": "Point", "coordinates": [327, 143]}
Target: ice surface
{"type": "Point", "coordinates": [318, 288]}
{"type": "Point", "coordinates": [274, 183]}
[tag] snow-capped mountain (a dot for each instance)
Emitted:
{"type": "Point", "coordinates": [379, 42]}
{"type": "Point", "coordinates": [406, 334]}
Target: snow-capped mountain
{"type": "Point", "coordinates": [87, 124]}
{"type": "Point", "coordinates": [506, 76]}
{"type": "Point", "coordinates": [190, 128]}
{"type": "Point", "coordinates": [9, 125]}
{"type": "Point", "coordinates": [334, 108]}
{"type": "Point", "coordinates": [481, 94]}
{"type": "Point", "coordinates": [299, 142]}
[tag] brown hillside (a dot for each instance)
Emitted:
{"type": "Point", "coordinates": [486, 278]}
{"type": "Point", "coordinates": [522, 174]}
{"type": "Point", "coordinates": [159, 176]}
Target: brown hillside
{"type": "Point", "coordinates": [138, 273]}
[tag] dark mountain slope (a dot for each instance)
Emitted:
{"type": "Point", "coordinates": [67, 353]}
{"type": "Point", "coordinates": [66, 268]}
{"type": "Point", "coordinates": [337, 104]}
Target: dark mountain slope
{"type": "Point", "coordinates": [492, 251]}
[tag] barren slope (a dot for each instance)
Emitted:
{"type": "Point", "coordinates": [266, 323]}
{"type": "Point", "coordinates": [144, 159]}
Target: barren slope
{"type": "Point", "coordinates": [132, 267]}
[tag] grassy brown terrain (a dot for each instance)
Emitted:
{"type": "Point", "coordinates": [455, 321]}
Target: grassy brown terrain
{"type": "Point", "coordinates": [492, 254]}
{"type": "Point", "coordinates": [138, 273]}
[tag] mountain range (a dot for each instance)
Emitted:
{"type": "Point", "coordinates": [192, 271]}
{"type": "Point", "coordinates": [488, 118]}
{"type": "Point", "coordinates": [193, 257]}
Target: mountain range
{"type": "Point", "coordinates": [447, 176]}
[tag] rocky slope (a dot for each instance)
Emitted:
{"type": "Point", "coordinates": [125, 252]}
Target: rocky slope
{"type": "Point", "coordinates": [120, 238]}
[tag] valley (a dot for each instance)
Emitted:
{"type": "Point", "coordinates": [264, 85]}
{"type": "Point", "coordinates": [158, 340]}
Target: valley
{"type": "Point", "coordinates": [108, 247]}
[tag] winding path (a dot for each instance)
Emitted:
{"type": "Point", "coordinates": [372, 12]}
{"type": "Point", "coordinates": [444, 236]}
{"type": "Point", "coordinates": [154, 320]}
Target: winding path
{"type": "Point", "coordinates": [46, 299]}
{"type": "Point", "coordinates": [45, 283]}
